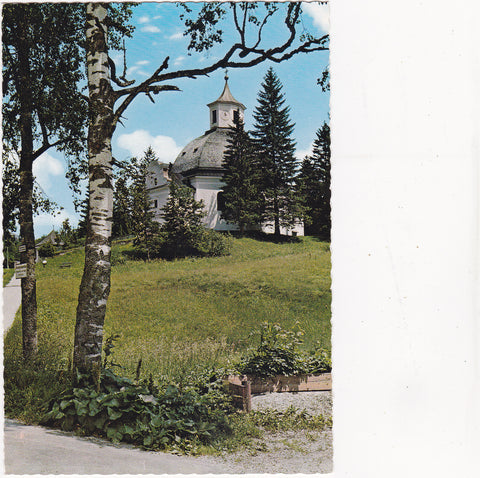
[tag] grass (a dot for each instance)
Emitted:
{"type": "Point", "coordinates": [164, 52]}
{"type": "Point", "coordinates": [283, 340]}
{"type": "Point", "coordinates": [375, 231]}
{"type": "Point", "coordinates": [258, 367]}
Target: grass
{"type": "Point", "coordinates": [7, 275]}
{"type": "Point", "coordinates": [183, 316]}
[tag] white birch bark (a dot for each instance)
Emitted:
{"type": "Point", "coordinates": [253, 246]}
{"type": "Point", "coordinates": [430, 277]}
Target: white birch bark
{"type": "Point", "coordinates": [95, 285]}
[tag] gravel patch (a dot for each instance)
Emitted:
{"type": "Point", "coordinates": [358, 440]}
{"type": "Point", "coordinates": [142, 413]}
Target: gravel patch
{"type": "Point", "coordinates": [314, 402]}
{"type": "Point", "coordinates": [285, 452]}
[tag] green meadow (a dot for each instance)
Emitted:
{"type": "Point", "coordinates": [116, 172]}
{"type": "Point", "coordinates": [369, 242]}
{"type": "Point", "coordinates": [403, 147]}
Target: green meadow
{"type": "Point", "coordinates": [182, 316]}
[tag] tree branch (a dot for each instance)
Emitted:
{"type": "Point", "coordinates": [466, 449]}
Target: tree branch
{"type": "Point", "coordinates": [118, 81]}
{"type": "Point", "coordinates": [276, 54]}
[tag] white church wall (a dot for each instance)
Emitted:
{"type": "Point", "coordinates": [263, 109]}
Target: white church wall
{"type": "Point", "coordinates": [157, 187]}
{"type": "Point", "coordinates": [158, 198]}
{"type": "Point", "coordinates": [207, 189]}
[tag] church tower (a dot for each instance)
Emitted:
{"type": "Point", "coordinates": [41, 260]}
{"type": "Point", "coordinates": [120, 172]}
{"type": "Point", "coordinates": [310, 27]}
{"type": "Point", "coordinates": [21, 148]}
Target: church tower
{"type": "Point", "coordinates": [225, 109]}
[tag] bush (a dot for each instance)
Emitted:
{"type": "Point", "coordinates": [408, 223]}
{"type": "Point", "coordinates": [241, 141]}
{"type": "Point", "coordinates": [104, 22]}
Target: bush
{"type": "Point", "coordinates": [139, 414]}
{"type": "Point", "coordinates": [46, 250]}
{"type": "Point", "coordinates": [277, 354]}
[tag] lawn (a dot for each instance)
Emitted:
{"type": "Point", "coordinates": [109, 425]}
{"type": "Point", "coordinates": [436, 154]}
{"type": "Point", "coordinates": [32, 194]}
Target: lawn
{"type": "Point", "coordinates": [183, 315]}
{"type": "Point", "coordinates": [7, 275]}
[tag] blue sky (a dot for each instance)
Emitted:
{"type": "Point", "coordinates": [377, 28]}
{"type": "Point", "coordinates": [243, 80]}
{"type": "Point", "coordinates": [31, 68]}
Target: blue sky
{"type": "Point", "coordinates": [178, 117]}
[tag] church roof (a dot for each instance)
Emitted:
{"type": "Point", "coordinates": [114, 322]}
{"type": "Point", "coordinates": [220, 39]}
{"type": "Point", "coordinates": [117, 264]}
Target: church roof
{"type": "Point", "coordinates": [226, 96]}
{"type": "Point", "coordinates": [205, 152]}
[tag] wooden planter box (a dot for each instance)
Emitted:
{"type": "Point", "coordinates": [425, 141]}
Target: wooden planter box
{"type": "Point", "coordinates": [243, 387]}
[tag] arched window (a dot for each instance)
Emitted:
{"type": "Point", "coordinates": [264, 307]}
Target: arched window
{"type": "Point", "coordinates": [214, 116]}
{"type": "Point", "coordinates": [220, 201]}
{"type": "Point", "coordinates": [236, 116]}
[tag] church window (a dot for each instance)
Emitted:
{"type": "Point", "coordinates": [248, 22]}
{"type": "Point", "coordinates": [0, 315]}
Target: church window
{"type": "Point", "coordinates": [236, 116]}
{"type": "Point", "coordinates": [220, 201]}
{"type": "Point", "coordinates": [155, 180]}
{"type": "Point", "coordinates": [214, 116]}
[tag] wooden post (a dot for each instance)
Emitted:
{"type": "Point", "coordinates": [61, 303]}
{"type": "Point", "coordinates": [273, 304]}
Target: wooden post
{"type": "Point", "coordinates": [246, 396]}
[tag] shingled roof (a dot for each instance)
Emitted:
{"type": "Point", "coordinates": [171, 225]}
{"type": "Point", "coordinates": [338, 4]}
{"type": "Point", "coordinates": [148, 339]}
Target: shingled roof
{"type": "Point", "coordinates": [205, 152]}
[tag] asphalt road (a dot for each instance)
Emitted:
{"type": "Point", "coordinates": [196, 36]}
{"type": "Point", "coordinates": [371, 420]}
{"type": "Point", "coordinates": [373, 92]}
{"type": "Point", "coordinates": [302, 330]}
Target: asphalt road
{"type": "Point", "coordinates": [12, 298]}
{"type": "Point", "coordinates": [38, 450]}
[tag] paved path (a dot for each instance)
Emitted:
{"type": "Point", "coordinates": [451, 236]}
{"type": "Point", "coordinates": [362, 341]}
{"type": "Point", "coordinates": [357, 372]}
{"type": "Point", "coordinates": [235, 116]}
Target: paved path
{"type": "Point", "coordinates": [38, 450]}
{"type": "Point", "coordinates": [12, 298]}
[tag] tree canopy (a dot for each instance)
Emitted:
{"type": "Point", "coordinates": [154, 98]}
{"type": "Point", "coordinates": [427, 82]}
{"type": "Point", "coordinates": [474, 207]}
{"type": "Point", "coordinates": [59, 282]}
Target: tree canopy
{"type": "Point", "coordinates": [276, 151]}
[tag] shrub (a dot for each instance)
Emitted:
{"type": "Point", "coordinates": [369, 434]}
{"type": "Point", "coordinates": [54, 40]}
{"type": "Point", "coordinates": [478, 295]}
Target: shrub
{"type": "Point", "coordinates": [277, 354]}
{"type": "Point", "coordinates": [139, 414]}
{"type": "Point", "coordinates": [46, 250]}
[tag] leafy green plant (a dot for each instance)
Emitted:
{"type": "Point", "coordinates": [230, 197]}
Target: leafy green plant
{"type": "Point", "coordinates": [139, 414]}
{"type": "Point", "coordinates": [278, 354]}
{"type": "Point", "coordinates": [46, 250]}
{"type": "Point", "coordinates": [290, 419]}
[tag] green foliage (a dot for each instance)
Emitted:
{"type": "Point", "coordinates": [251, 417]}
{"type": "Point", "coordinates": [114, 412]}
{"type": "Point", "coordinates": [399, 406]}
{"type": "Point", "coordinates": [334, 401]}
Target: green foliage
{"type": "Point", "coordinates": [7, 276]}
{"type": "Point", "coordinates": [276, 149]}
{"type": "Point", "coordinates": [29, 385]}
{"type": "Point", "coordinates": [313, 186]}
{"type": "Point", "coordinates": [185, 315]}
{"type": "Point", "coordinates": [183, 229]}
{"type": "Point", "coordinates": [242, 194]}
{"type": "Point", "coordinates": [139, 414]}
{"type": "Point", "coordinates": [278, 354]}
{"type": "Point", "coordinates": [290, 419]}
{"type": "Point", "coordinates": [46, 250]}
{"type": "Point", "coordinates": [132, 209]}
{"type": "Point", "coordinates": [183, 233]}
{"type": "Point", "coordinates": [67, 235]}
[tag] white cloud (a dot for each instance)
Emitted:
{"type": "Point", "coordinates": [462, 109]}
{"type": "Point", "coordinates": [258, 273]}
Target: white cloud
{"type": "Point", "coordinates": [178, 61]}
{"type": "Point", "coordinates": [142, 62]}
{"type": "Point", "coordinates": [137, 142]}
{"type": "Point", "coordinates": [320, 14]}
{"type": "Point", "coordinates": [45, 168]}
{"type": "Point", "coordinates": [136, 70]}
{"type": "Point", "coordinates": [143, 19]}
{"type": "Point", "coordinates": [301, 153]}
{"type": "Point", "coordinates": [176, 36]}
{"type": "Point", "coordinates": [150, 29]}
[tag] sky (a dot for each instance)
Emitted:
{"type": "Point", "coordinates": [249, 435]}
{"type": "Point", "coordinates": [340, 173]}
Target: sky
{"type": "Point", "coordinates": [176, 118]}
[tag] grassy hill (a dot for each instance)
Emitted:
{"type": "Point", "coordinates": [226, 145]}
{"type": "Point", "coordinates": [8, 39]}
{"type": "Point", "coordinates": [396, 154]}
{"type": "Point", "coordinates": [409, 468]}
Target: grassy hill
{"type": "Point", "coordinates": [182, 315]}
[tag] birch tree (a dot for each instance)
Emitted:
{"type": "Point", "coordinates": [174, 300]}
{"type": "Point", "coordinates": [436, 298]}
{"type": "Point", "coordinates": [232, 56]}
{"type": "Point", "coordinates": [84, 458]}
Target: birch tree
{"type": "Point", "coordinates": [108, 105]}
{"type": "Point", "coordinates": [42, 109]}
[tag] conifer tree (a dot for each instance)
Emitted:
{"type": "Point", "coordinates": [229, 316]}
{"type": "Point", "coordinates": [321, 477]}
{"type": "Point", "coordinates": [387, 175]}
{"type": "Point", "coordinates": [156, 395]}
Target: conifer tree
{"type": "Point", "coordinates": [143, 223]}
{"type": "Point", "coordinates": [122, 220]}
{"type": "Point", "coordinates": [314, 186]}
{"type": "Point", "coordinates": [182, 229]}
{"type": "Point", "coordinates": [276, 148]}
{"type": "Point", "coordinates": [241, 194]}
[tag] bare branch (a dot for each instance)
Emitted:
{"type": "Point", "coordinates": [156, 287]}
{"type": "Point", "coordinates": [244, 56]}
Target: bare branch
{"type": "Point", "coordinates": [122, 82]}
{"type": "Point", "coordinates": [276, 54]}
{"type": "Point", "coordinates": [269, 14]}
{"type": "Point", "coordinates": [237, 26]}
{"type": "Point", "coordinates": [45, 147]}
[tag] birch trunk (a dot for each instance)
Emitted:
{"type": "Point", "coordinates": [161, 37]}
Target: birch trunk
{"type": "Point", "coordinates": [29, 294]}
{"type": "Point", "coordinates": [95, 285]}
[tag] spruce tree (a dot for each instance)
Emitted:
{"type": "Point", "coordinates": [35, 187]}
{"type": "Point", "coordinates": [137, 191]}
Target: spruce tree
{"type": "Point", "coordinates": [122, 217]}
{"type": "Point", "coordinates": [182, 229]}
{"type": "Point", "coordinates": [241, 194]}
{"type": "Point", "coordinates": [314, 186]}
{"type": "Point", "coordinates": [276, 148]}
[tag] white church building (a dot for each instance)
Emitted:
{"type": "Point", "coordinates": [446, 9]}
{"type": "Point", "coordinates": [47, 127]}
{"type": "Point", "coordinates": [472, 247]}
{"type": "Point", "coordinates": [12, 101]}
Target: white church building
{"type": "Point", "coordinates": [199, 166]}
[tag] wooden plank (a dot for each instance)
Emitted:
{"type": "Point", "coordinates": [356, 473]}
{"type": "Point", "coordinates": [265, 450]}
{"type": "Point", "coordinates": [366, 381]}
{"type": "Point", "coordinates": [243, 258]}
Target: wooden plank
{"type": "Point", "coordinates": [281, 383]}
